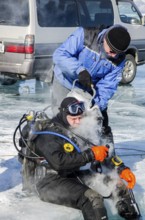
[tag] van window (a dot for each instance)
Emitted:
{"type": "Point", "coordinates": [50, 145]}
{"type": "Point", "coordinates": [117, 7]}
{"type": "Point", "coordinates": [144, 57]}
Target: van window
{"type": "Point", "coordinates": [14, 12]}
{"type": "Point", "coordinates": [128, 13]}
{"type": "Point", "coordinates": [72, 13]}
{"type": "Point", "coordinates": [101, 13]}
{"type": "Point", "coordinates": [57, 13]}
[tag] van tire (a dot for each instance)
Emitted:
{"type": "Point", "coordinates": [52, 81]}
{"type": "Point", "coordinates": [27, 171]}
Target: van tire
{"type": "Point", "coordinates": [129, 71]}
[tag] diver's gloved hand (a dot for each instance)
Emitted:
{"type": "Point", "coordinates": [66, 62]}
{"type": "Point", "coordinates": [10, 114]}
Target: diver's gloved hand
{"type": "Point", "coordinates": [100, 152]}
{"type": "Point", "coordinates": [85, 79]}
{"type": "Point", "coordinates": [129, 177]}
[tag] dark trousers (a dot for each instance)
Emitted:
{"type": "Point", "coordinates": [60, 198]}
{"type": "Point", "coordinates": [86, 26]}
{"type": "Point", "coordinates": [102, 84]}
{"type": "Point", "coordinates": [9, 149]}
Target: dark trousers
{"type": "Point", "coordinates": [71, 192]}
{"type": "Point", "coordinates": [106, 134]}
{"type": "Point", "coordinates": [106, 127]}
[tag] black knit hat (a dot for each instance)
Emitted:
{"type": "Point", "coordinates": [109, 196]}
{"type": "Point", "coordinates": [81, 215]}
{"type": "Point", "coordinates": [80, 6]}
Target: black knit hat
{"type": "Point", "coordinates": [66, 103]}
{"type": "Point", "coordinates": [117, 38]}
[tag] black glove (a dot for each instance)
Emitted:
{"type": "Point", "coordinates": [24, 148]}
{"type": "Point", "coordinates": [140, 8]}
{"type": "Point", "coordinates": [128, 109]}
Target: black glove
{"type": "Point", "coordinates": [85, 79]}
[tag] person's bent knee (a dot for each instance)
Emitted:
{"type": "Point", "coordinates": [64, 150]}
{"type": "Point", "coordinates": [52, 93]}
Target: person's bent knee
{"type": "Point", "coordinates": [94, 198]}
{"type": "Point", "coordinates": [93, 207]}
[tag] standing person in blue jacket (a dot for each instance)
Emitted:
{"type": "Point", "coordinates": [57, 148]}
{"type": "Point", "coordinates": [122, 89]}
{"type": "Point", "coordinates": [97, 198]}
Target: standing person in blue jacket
{"type": "Point", "coordinates": [95, 58]}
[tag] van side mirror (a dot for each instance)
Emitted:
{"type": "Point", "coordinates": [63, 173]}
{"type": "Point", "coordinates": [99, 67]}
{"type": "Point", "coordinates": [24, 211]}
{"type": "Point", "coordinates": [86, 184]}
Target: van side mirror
{"type": "Point", "coordinates": [135, 21]}
{"type": "Point", "coordinates": [143, 20]}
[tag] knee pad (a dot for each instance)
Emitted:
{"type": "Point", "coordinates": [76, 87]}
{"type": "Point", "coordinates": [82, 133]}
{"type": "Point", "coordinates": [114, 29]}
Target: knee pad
{"type": "Point", "coordinates": [94, 198]}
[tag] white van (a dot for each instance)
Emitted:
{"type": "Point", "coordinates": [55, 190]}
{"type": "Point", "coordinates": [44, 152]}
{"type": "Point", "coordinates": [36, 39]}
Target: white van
{"type": "Point", "coordinates": [30, 31]}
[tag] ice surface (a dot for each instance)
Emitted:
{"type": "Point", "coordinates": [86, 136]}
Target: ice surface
{"type": "Point", "coordinates": [126, 111]}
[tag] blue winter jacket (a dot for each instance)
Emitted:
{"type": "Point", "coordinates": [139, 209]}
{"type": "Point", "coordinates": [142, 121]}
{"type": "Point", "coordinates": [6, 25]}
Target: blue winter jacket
{"type": "Point", "coordinates": [73, 56]}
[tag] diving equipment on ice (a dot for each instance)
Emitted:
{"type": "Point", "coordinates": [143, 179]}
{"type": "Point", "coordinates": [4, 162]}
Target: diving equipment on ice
{"type": "Point", "coordinates": [35, 167]}
{"type": "Point", "coordinates": [31, 162]}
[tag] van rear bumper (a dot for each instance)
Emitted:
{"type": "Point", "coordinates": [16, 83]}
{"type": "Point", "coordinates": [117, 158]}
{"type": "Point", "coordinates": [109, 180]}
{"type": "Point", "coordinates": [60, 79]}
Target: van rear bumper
{"type": "Point", "coordinates": [24, 70]}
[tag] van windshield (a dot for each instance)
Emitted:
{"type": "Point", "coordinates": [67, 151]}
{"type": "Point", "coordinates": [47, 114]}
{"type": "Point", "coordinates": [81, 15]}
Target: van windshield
{"type": "Point", "coordinates": [72, 13]}
{"type": "Point", "coordinates": [14, 12]}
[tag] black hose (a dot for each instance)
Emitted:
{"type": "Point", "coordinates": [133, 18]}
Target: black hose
{"type": "Point", "coordinates": [133, 154]}
{"type": "Point", "coordinates": [123, 148]}
{"type": "Point", "coordinates": [22, 120]}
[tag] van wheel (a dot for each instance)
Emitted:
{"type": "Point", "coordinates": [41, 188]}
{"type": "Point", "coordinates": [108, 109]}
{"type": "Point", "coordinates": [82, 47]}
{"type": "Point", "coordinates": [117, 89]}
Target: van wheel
{"type": "Point", "coordinates": [129, 71]}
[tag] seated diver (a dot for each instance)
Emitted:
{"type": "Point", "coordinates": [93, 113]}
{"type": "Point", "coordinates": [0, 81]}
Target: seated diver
{"type": "Point", "coordinates": [63, 184]}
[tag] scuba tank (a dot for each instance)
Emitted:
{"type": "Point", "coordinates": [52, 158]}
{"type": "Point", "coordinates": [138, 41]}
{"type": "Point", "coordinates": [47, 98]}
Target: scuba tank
{"type": "Point", "coordinates": [23, 139]}
{"type": "Point", "coordinates": [34, 166]}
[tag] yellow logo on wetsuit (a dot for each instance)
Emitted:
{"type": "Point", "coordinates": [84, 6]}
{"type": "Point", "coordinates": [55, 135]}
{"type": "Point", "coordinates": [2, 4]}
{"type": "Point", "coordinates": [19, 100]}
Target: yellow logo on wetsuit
{"type": "Point", "coordinates": [68, 147]}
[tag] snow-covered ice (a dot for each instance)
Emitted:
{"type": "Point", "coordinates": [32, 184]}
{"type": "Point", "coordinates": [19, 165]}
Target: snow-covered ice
{"type": "Point", "coordinates": [126, 111]}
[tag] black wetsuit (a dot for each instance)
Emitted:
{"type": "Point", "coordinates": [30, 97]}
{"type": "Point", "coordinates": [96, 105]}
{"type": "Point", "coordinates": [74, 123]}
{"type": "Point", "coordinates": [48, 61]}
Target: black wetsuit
{"type": "Point", "coordinates": [62, 185]}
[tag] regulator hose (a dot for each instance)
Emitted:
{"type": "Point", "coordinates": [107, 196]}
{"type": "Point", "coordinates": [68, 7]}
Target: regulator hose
{"type": "Point", "coordinates": [18, 128]}
{"type": "Point", "coordinates": [59, 135]}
